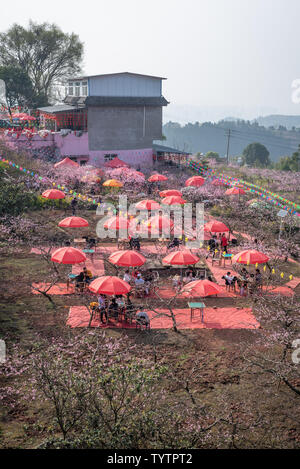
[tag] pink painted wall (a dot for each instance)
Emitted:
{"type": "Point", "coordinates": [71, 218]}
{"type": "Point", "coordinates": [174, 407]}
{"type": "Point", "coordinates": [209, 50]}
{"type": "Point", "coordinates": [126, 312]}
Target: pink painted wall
{"type": "Point", "coordinates": [70, 145]}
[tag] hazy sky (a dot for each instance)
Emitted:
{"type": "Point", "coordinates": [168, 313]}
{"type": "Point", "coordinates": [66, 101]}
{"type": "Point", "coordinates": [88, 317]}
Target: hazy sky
{"type": "Point", "coordinates": [221, 57]}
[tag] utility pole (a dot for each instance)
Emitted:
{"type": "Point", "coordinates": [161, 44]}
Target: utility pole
{"type": "Point", "coordinates": [228, 143]}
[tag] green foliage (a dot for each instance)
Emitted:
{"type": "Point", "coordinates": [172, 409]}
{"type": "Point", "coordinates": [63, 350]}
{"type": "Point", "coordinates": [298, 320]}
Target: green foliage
{"type": "Point", "coordinates": [44, 52]}
{"type": "Point", "coordinates": [289, 163]}
{"type": "Point", "coordinates": [256, 155]}
{"type": "Point", "coordinates": [18, 87]}
{"type": "Point", "coordinates": [213, 155]}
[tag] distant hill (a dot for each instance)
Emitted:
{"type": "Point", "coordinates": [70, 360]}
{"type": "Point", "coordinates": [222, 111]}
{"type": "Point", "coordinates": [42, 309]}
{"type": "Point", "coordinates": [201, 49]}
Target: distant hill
{"type": "Point", "coordinates": [277, 120]}
{"type": "Point", "coordinates": [213, 136]}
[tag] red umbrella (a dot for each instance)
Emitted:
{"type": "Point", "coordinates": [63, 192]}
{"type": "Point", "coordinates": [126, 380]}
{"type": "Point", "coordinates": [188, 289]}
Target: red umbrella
{"type": "Point", "coordinates": [157, 177]}
{"type": "Point", "coordinates": [215, 226]}
{"type": "Point", "coordinates": [250, 257]}
{"type": "Point", "coordinates": [202, 288]}
{"type": "Point", "coordinates": [173, 200]}
{"type": "Point", "coordinates": [160, 222]}
{"type": "Point", "coordinates": [180, 258]}
{"type": "Point", "coordinates": [147, 204]}
{"type": "Point", "coordinates": [127, 258]}
{"type": "Point", "coordinates": [68, 255]}
{"type": "Point", "coordinates": [53, 194]}
{"type": "Point", "coordinates": [169, 192]}
{"type": "Point", "coordinates": [108, 285]}
{"type": "Point", "coordinates": [66, 162]}
{"type": "Point", "coordinates": [235, 191]}
{"type": "Point", "coordinates": [195, 181]}
{"type": "Point", "coordinates": [73, 222]}
{"type": "Point", "coordinates": [116, 223]}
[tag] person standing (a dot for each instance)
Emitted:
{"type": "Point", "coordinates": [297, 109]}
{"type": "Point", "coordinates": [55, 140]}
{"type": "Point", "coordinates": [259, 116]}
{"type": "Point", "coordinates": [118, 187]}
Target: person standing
{"type": "Point", "coordinates": [74, 204]}
{"type": "Point", "coordinates": [224, 243]}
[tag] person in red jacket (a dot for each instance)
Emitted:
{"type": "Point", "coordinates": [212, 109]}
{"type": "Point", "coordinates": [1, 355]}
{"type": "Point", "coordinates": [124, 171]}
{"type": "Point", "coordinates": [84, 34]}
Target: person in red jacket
{"type": "Point", "coordinates": [224, 243]}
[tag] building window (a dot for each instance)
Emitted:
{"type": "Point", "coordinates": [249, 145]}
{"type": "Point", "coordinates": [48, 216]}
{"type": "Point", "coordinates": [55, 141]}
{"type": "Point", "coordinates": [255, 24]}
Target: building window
{"type": "Point", "coordinates": [110, 156]}
{"type": "Point", "coordinates": [77, 88]}
{"type": "Point", "coordinates": [84, 88]}
{"type": "Point", "coordinates": [71, 89]}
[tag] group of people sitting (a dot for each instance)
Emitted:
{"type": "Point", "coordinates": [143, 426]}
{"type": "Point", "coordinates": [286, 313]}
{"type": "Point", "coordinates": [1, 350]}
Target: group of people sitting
{"type": "Point", "coordinates": [245, 281]}
{"type": "Point", "coordinates": [116, 306]}
{"type": "Point", "coordinates": [83, 279]}
{"type": "Point", "coordinates": [141, 282]}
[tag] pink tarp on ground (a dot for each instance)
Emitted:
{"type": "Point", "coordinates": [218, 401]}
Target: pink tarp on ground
{"type": "Point", "coordinates": [219, 318]}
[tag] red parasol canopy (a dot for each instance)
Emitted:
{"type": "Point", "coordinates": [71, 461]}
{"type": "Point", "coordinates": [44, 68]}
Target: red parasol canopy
{"type": "Point", "coordinates": [53, 194]}
{"type": "Point", "coordinates": [157, 177]}
{"type": "Point", "coordinates": [202, 288]}
{"type": "Point", "coordinates": [180, 258]}
{"type": "Point", "coordinates": [160, 222]}
{"type": "Point", "coordinates": [170, 192]}
{"type": "Point", "coordinates": [66, 162]}
{"type": "Point", "coordinates": [215, 226]}
{"type": "Point", "coordinates": [195, 181]}
{"type": "Point", "coordinates": [127, 258]}
{"type": "Point", "coordinates": [109, 285]}
{"type": "Point", "coordinates": [68, 255]}
{"type": "Point", "coordinates": [73, 222]}
{"type": "Point", "coordinates": [173, 200]}
{"type": "Point", "coordinates": [147, 204]}
{"type": "Point", "coordinates": [235, 191]}
{"type": "Point", "coordinates": [116, 163]}
{"type": "Point", "coordinates": [250, 257]}
{"type": "Point", "coordinates": [116, 223]}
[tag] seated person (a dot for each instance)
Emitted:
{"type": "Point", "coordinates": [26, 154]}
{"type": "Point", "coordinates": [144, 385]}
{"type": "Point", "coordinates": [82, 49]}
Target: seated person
{"type": "Point", "coordinates": [120, 301]}
{"type": "Point", "coordinates": [79, 279]}
{"type": "Point", "coordinates": [176, 281]}
{"type": "Point", "coordinates": [244, 273]}
{"type": "Point", "coordinates": [258, 277]}
{"type": "Point", "coordinates": [140, 282]}
{"type": "Point", "coordinates": [102, 307]}
{"type": "Point", "coordinates": [113, 309]}
{"type": "Point", "coordinates": [135, 273]}
{"type": "Point", "coordinates": [127, 277]}
{"type": "Point", "coordinates": [251, 285]}
{"type": "Point", "coordinates": [174, 244]}
{"type": "Point", "coordinates": [90, 243]}
{"type": "Point", "coordinates": [143, 317]}
{"type": "Point", "coordinates": [87, 275]}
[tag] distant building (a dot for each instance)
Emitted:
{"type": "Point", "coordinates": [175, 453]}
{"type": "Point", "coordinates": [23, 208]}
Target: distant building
{"type": "Point", "coordinates": [121, 112]}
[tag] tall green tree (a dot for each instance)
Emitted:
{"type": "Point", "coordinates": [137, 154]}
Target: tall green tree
{"type": "Point", "coordinates": [290, 163]}
{"type": "Point", "coordinates": [44, 52]}
{"type": "Point", "coordinates": [256, 154]}
{"type": "Point", "coordinates": [18, 90]}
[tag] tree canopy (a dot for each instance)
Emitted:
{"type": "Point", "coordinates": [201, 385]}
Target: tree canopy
{"type": "Point", "coordinates": [18, 87]}
{"type": "Point", "coordinates": [44, 52]}
{"type": "Point", "coordinates": [256, 154]}
{"type": "Point", "coordinates": [289, 163]}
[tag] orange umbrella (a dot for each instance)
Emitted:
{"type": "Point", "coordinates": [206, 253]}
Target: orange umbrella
{"type": "Point", "coordinates": [173, 200]}
{"type": "Point", "coordinates": [109, 285]}
{"type": "Point", "coordinates": [169, 192]}
{"type": "Point", "coordinates": [113, 183]}
{"type": "Point", "coordinates": [73, 222]}
{"type": "Point", "coordinates": [250, 257]}
{"type": "Point", "coordinates": [127, 258]}
{"type": "Point", "coordinates": [215, 226]}
{"type": "Point", "coordinates": [157, 177]}
{"type": "Point", "coordinates": [180, 258]}
{"type": "Point", "coordinates": [66, 162]}
{"type": "Point", "coordinates": [116, 223]}
{"type": "Point", "coordinates": [68, 255]}
{"type": "Point", "coordinates": [53, 194]}
{"type": "Point", "coordinates": [235, 191]}
{"type": "Point", "coordinates": [195, 181]}
{"type": "Point", "coordinates": [147, 204]}
{"type": "Point", "coordinates": [202, 288]}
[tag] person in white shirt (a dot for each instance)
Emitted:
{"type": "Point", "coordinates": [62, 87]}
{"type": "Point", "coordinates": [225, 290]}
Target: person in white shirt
{"type": "Point", "coordinates": [127, 277]}
{"type": "Point", "coordinates": [139, 282]}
